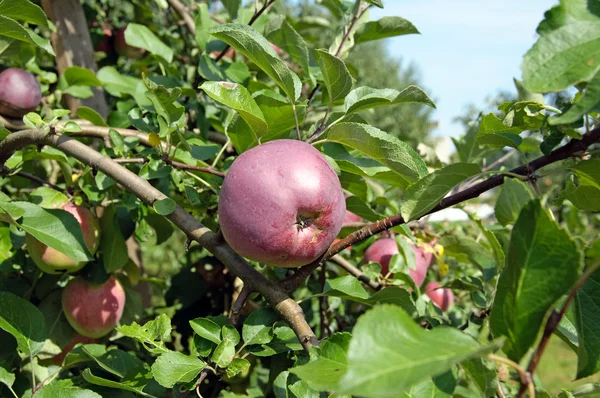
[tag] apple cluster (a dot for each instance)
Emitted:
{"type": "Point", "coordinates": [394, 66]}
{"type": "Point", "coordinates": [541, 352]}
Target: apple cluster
{"type": "Point", "coordinates": [93, 310]}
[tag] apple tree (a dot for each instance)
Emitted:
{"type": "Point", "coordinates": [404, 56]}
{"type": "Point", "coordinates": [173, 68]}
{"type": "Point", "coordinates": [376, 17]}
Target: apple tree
{"type": "Point", "coordinates": [197, 199]}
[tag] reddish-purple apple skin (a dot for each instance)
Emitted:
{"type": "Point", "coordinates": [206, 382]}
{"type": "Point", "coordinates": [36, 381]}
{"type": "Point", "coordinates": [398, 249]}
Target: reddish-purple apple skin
{"type": "Point", "coordinates": [20, 92]}
{"type": "Point", "coordinates": [51, 260]}
{"type": "Point", "coordinates": [124, 49]}
{"type": "Point", "coordinates": [443, 298]}
{"type": "Point", "coordinates": [382, 251]}
{"type": "Point", "coordinates": [281, 204]}
{"type": "Point", "coordinates": [93, 310]}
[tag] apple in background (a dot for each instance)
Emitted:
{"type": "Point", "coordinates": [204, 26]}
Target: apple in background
{"type": "Point", "coordinates": [51, 260]}
{"type": "Point", "coordinates": [281, 203]}
{"type": "Point", "coordinates": [278, 50]}
{"type": "Point", "coordinates": [382, 251]}
{"type": "Point", "coordinates": [20, 92]}
{"type": "Point", "coordinates": [124, 49]}
{"type": "Point", "coordinates": [350, 217]}
{"type": "Point", "coordinates": [93, 310]}
{"type": "Point", "coordinates": [443, 298]}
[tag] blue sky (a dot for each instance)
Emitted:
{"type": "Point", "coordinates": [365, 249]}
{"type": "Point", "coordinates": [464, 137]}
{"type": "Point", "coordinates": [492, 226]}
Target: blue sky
{"type": "Point", "coordinates": [467, 49]}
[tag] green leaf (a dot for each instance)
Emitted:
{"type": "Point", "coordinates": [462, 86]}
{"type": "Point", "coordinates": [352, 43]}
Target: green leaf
{"type": "Point", "coordinates": [225, 351]}
{"type": "Point", "coordinates": [237, 97]}
{"type": "Point", "coordinates": [71, 127]}
{"type": "Point", "coordinates": [325, 372]}
{"type": "Point", "coordinates": [207, 329]}
{"type": "Point", "coordinates": [588, 102]}
{"type": "Point", "coordinates": [513, 197]}
{"type": "Point", "coordinates": [424, 194]}
{"type": "Point", "coordinates": [565, 52]}
{"type": "Point", "coordinates": [542, 263]}
{"type": "Point", "coordinates": [468, 250]}
{"type": "Point", "coordinates": [174, 367]}
{"type": "Point", "coordinates": [361, 166]}
{"type": "Point", "coordinates": [7, 378]}
{"type": "Point", "coordinates": [387, 339]}
{"type": "Point", "coordinates": [588, 172]}
{"type": "Point", "coordinates": [280, 32]}
{"type": "Point", "coordinates": [117, 84]}
{"type": "Point", "coordinates": [362, 98]}
{"type": "Point", "coordinates": [141, 37]}
{"type": "Point", "coordinates": [437, 387]}
{"type": "Point", "coordinates": [60, 390]}
{"type": "Point", "coordinates": [257, 327]}
{"type": "Point", "coordinates": [254, 46]}
{"type": "Point", "coordinates": [55, 228]}
{"type": "Point", "coordinates": [238, 365]}
{"type": "Point", "coordinates": [385, 27]}
{"type": "Point", "coordinates": [60, 331]}
{"type": "Point", "coordinates": [232, 7]}
{"type": "Point", "coordinates": [11, 28]}
{"type": "Point", "coordinates": [278, 113]}
{"type": "Point", "coordinates": [335, 75]}
{"type": "Point", "coordinates": [346, 287]}
{"type": "Point", "coordinates": [48, 198]}
{"type": "Point", "coordinates": [91, 115]}
{"type": "Point", "coordinates": [78, 76]}
{"type": "Point", "coordinates": [484, 378]}
{"type": "Point", "coordinates": [135, 383]}
{"type": "Point", "coordinates": [587, 310]}
{"type": "Point", "coordinates": [587, 390]}
{"type": "Point", "coordinates": [152, 335]}
{"type": "Point", "coordinates": [112, 243]}
{"type": "Point", "coordinates": [380, 146]}
{"type": "Point", "coordinates": [165, 206]}
{"type": "Point", "coordinates": [359, 207]}
{"type": "Point", "coordinates": [24, 321]}
{"type": "Point", "coordinates": [492, 240]}
{"type": "Point", "coordinates": [23, 10]}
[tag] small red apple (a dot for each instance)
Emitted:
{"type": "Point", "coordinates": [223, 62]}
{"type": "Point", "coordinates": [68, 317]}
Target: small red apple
{"type": "Point", "coordinates": [93, 310]}
{"type": "Point", "coordinates": [382, 251]}
{"type": "Point", "coordinates": [51, 260]}
{"type": "Point", "coordinates": [20, 92]}
{"type": "Point", "coordinates": [443, 298]}
{"type": "Point", "coordinates": [124, 49]}
{"type": "Point", "coordinates": [278, 50]}
{"type": "Point", "coordinates": [281, 203]}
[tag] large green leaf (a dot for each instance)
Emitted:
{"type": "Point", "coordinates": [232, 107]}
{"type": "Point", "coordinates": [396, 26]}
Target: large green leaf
{"type": "Point", "coordinates": [24, 321]}
{"type": "Point", "coordinates": [64, 389]}
{"type": "Point", "coordinates": [389, 353]}
{"type": "Point", "coordinates": [324, 373]}
{"type": "Point", "coordinates": [588, 102]}
{"type": "Point", "coordinates": [437, 387]}
{"type": "Point", "coordinates": [424, 194]}
{"type": "Point", "coordinates": [112, 243]}
{"type": "Point", "coordinates": [140, 36]}
{"type": "Point", "coordinates": [362, 98]}
{"type": "Point", "coordinates": [117, 84]}
{"type": "Point", "coordinates": [513, 197]}
{"type": "Point", "coordinates": [175, 367]}
{"type": "Point", "coordinates": [566, 51]}
{"type": "Point", "coordinates": [279, 31]}
{"type": "Point", "coordinates": [257, 327]}
{"type": "Point", "coordinates": [152, 334]}
{"type": "Point", "coordinates": [385, 27]}
{"type": "Point", "coordinates": [338, 80]}
{"type": "Point", "coordinates": [254, 46]}
{"type": "Point", "coordinates": [55, 228]}
{"type": "Point", "coordinates": [11, 28]}
{"type": "Point", "coordinates": [135, 383]}
{"type": "Point", "coordinates": [542, 264]}
{"type": "Point", "coordinates": [237, 97]}
{"type": "Point", "coordinates": [23, 10]}
{"type": "Point", "coordinates": [379, 145]}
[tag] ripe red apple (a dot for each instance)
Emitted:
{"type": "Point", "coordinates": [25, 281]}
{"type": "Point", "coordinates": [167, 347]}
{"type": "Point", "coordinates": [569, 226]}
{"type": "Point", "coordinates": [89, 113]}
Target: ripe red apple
{"type": "Point", "coordinates": [443, 298]}
{"type": "Point", "coordinates": [281, 204]}
{"type": "Point", "coordinates": [124, 49]}
{"type": "Point", "coordinates": [20, 92]}
{"type": "Point", "coordinates": [51, 260]}
{"type": "Point", "coordinates": [382, 251]}
{"type": "Point", "coordinates": [93, 310]}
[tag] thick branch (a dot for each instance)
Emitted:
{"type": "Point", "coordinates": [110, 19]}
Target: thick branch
{"type": "Point", "coordinates": [276, 296]}
{"type": "Point", "coordinates": [185, 15]}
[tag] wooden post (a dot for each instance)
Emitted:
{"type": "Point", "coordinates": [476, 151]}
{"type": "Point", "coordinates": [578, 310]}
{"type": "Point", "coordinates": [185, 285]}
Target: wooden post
{"type": "Point", "coordinates": [73, 47]}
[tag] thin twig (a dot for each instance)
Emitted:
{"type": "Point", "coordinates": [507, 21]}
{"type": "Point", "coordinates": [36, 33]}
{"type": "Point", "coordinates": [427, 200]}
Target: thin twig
{"type": "Point", "coordinates": [183, 166]}
{"type": "Point", "coordinates": [131, 160]}
{"type": "Point", "coordinates": [553, 321]}
{"type": "Point", "coordinates": [238, 304]}
{"type": "Point", "coordinates": [323, 306]}
{"type": "Point", "coordinates": [256, 15]}
{"type": "Point", "coordinates": [185, 15]}
{"type": "Point", "coordinates": [499, 161]}
{"type": "Point", "coordinates": [354, 271]}
{"type": "Point", "coordinates": [523, 375]}
{"type": "Point", "coordinates": [34, 178]}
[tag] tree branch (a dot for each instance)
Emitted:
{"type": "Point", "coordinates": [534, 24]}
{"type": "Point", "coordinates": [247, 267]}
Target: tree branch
{"type": "Point", "coordinates": [289, 310]}
{"type": "Point", "coordinates": [185, 15]}
{"type": "Point", "coordinates": [6, 171]}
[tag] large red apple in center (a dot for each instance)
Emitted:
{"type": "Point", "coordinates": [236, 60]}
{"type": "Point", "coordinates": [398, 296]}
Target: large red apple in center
{"type": "Point", "coordinates": [281, 204]}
